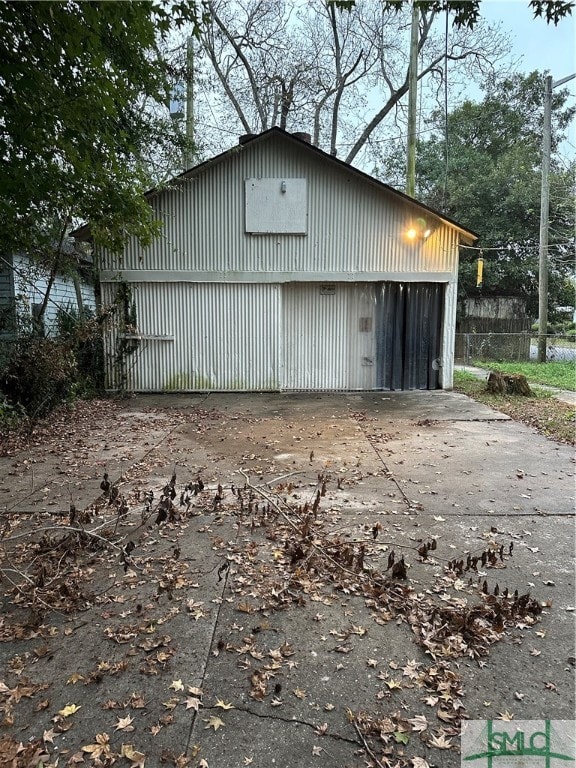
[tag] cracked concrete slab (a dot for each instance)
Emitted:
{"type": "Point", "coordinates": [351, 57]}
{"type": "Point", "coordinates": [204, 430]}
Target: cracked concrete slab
{"type": "Point", "coordinates": [400, 469]}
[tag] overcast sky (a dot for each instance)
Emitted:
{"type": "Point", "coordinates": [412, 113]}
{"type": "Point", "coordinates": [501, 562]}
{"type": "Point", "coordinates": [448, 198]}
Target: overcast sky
{"type": "Point", "coordinates": [539, 46]}
{"type": "Point", "coordinates": [542, 46]}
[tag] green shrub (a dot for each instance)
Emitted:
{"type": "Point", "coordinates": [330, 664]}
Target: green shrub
{"type": "Point", "coordinates": [10, 415]}
{"type": "Point", "coordinates": [40, 374]}
{"type": "Point", "coordinates": [560, 328]}
{"type": "Point", "coordinates": [81, 331]}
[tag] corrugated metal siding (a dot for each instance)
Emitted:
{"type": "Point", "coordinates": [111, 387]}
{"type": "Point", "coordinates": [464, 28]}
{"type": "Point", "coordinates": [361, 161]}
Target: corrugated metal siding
{"type": "Point", "coordinates": [364, 336]}
{"type": "Point", "coordinates": [298, 336]}
{"type": "Point", "coordinates": [448, 335]}
{"type": "Point", "coordinates": [352, 226]}
{"type": "Point", "coordinates": [109, 338]}
{"type": "Point", "coordinates": [315, 341]}
{"type": "Point", "coordinates": [329, 339]}
{"type": "Point", "coordinates": [361, 334]}
{"type": "Point", "coordinates": [201, 337]}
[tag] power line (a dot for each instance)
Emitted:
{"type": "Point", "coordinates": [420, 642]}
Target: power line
{"type": "Point", "coordinates": [515, 246]}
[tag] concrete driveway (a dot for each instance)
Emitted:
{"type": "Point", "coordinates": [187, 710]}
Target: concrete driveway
{"type": "Point", "coordinates": [260, 624]}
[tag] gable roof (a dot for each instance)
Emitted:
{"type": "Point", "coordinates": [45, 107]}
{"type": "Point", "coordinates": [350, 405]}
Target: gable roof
{"type": "Point", "coordinates": [467, 234]}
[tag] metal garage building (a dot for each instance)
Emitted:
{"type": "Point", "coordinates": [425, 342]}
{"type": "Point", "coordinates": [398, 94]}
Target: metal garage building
{"type": "Point", "coordinates": [282, 268]}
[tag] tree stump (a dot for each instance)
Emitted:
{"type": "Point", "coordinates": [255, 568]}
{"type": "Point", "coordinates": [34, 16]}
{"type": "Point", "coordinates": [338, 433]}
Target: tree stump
{"type": "Point", "coordinates": [508, 384]}
{"type": "Point", "coordinates": [496, 384]}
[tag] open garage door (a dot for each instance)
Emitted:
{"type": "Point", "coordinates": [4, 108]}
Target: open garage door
{"type": "Point", "coordinates": [408, 335]}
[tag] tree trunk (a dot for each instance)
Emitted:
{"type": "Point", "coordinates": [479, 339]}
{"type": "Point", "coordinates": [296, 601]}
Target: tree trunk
{"type": "Point", "coordinates": [79, 299]}
{"type": "Point", "coordinates": [39, 319]}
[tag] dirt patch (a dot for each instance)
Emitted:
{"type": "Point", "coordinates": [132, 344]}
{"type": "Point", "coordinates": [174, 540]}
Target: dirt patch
{"type": "Point", "coordinates": [546, 414]}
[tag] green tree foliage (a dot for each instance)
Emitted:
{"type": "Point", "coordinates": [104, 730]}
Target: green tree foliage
{"type": "Point", "coordinates": [76, 84]}
{"type": "Point", "coordinates": [467, 12]}
{"type": "Point", "coordinates": [81, 84]}
{"type": "Point", "coordinates": [487, 176]}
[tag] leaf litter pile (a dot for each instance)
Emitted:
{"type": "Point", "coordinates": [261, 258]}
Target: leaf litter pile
{"type": "Point", "coordinates": [276, 549]}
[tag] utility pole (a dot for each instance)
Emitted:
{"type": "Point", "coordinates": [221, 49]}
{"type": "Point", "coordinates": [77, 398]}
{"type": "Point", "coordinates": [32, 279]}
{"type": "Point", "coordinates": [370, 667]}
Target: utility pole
{"type": "Point", "coordinates": [188, 153]}
{"type": "Point", "coordinates": [544, 210]}
{"type": "Point", "coordinates": [412, 88]}
{"type": "Point", "coordinates": [544, 214]}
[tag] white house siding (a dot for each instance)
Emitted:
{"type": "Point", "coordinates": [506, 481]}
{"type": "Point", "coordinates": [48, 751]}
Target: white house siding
{"type": "Point", "coordinates": [6, 297]}
{"type": "Point", "coordinates": [30, 284]}
{"type": "Point", "coordinates": [219, 309]}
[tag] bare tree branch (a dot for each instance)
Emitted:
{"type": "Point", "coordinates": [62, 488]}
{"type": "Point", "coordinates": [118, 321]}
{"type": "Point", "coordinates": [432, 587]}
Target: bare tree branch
{"type": "Point", "coordinates": [290, 65]}
{"type": "Point", "coordinates": [245, 62]}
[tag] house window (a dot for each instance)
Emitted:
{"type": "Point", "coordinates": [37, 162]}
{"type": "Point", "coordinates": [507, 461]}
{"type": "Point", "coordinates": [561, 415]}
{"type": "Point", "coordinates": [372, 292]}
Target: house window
{"type": "Point", "coordinates": [276, 206]}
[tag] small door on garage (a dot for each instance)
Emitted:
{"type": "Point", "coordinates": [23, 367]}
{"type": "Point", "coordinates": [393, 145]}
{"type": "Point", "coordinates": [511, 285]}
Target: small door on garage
{"type": "Point", "coordinates": [315, 340]}
{"type": "Point", "coordinates": [408, 335]}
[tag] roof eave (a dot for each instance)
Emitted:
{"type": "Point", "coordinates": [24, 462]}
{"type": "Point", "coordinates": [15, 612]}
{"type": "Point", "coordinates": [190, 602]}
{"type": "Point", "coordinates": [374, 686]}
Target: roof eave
{"type": "Point", "coordinates": [466, 235]}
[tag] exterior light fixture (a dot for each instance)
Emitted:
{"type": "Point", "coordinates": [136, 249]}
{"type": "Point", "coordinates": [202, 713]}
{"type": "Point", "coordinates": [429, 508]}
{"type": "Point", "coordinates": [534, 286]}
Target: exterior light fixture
{"type": "Point", "coordinates": [283, 186]}
{"type": "Point", "coordinates": [418, 230]}
{"type": "Point", "coordinates": [411, 233]}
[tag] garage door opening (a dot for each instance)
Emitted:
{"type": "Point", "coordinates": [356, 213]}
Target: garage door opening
{"type": "Point", "coordinates": [408, 335]}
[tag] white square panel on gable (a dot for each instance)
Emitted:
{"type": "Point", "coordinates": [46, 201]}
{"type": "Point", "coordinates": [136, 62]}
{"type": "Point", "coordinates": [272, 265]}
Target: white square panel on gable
{"type": "Point", "coordinates": [276, 206]}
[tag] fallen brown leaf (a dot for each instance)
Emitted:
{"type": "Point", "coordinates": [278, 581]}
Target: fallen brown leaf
{"type": "Point", "coordinates": [213, 722]}
{"type": "Point", "coordinates": [441, 742]}
{"type": "Point", "coordinates": [418, 723]}
{"type": "Point", "coordinates": [223, 704]}
{"type": "Point", "coordinates": [124, 724]}
{"type": "Point", "coordinates": [137, 758]}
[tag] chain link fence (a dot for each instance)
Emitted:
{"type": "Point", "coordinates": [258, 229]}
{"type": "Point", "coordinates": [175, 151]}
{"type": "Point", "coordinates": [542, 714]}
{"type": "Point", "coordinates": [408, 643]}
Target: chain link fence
{"type": "Point", "coordinates": [511, 347]}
